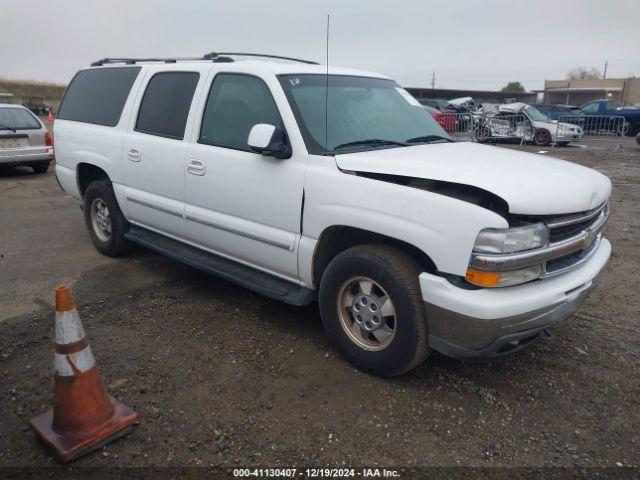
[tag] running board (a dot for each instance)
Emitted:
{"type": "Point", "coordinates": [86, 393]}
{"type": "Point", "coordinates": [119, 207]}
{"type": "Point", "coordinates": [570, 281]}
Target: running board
{"type": "Point", "coordinates": [247, 277]}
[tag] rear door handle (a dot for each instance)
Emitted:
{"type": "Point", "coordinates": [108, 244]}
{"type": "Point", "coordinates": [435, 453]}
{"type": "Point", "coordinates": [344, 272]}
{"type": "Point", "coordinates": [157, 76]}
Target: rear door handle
{"type": "Point", "coordinates": [196, 167]}
{"type": "Point", "coordinates": [134, 155]}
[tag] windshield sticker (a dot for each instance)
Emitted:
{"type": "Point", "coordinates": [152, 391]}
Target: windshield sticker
{"type": "Point", "coordinates": [408, 97]}
{"type": "Point", "coordinates": [295, 81]}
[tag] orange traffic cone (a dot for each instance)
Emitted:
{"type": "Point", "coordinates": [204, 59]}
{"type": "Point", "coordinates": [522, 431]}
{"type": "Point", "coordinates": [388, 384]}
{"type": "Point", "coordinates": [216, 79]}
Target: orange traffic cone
{"type": "Point", "coordinates": [50, 116]}
{"type": "Point", "coordinates": [84, 417]}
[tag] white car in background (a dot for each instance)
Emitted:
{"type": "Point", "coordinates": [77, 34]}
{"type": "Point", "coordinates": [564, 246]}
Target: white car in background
{"type": "Point", "coordinates": [543, 131]}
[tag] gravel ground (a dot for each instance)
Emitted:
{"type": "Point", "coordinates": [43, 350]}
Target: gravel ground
{"type": "Point", "coordinates": [224, 377]}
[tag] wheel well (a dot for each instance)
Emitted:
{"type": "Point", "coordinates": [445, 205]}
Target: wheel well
{"type": "Point", "coordinates": [339, 238]}
{"type": "Point", "coordinates": [87, 174]}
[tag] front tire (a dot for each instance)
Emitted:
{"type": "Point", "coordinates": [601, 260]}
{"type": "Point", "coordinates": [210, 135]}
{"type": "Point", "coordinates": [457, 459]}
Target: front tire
{"type": "Point", "coordinates": [542, 138]}
{"type": "Point", "coordinates": [372, 309]}
{"type": "Point", "coordinates": [104, 219]}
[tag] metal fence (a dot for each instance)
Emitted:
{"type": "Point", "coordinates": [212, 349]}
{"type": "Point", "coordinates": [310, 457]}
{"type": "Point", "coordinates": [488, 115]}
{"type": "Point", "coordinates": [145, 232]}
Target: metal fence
{"type": "Point", "coordinates": [598, 128]}
{"type": "Point", "coordinates": [483, 128]}
{"type": "Point", "coordinates": [458, 125]}
{"type": "Point", "coordinates": [504, 127]}
{"type": "Point", "coordinates": [518, 127]}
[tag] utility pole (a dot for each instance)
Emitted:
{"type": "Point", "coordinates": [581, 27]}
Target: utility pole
{"type": "Point", "coordinates": [433, 80]}
{"type": "Point", "coordinates": [604, 75]}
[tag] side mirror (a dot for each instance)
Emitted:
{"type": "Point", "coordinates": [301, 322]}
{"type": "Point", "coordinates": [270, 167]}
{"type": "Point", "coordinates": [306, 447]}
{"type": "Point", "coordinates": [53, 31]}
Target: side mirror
{"type": "Point", "coordinates": [269, 140]}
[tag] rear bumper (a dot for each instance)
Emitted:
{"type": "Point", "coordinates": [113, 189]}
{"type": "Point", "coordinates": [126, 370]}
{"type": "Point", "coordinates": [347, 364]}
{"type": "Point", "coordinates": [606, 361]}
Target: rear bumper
{"type": "Point", "coordinates": [8, 158]}
{"type": "Point", "coordinates": [493, 322]}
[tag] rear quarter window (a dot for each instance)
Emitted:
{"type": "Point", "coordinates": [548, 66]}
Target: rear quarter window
{"type": "Point", "coordinates": [98, 96]}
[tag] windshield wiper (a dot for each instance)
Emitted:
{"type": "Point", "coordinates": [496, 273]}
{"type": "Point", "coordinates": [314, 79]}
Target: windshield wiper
{"type": "Point", "coordinates": [4, 127]}
{"type": "Point", "coordinates": [428, 139]}
{"type": "Point", "coordinates": [369, 141]}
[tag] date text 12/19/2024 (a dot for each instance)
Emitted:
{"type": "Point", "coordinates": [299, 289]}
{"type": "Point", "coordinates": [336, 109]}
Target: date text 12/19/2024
{"type": "Point", "coordinates": [316, 472]}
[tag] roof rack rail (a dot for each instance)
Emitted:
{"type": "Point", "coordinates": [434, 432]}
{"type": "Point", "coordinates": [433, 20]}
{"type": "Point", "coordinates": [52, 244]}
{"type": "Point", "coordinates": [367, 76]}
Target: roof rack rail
{"type": "Point", "coordinates": [211, 57]}
{"type": "Point", "coordinates": [214, 55]}
{"type": "Point", "coordinates": [133, 61]}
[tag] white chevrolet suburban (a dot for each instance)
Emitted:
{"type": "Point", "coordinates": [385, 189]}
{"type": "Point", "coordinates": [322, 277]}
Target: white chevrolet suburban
{"type": "Point", "coordinates": [305, 183]}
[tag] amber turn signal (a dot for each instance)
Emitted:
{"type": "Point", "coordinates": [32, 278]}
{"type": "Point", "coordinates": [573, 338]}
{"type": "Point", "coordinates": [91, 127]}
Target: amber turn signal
{"type": "Point", "coordinates": [484, 279]}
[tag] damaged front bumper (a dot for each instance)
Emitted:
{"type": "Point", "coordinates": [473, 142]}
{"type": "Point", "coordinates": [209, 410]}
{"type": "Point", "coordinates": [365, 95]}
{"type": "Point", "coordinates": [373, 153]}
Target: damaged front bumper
{"type": "Point", "coordinates": [488, 323]}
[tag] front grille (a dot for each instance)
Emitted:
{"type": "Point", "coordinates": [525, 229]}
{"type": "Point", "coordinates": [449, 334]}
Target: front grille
{"type": "Point", "coordinates": [561, 264]}
{"type": "Point", "coordinates": [573, 239]}
{"type": "Point", "coordinates": [562, 233]}
{"type": "Point", "coordinates": [566, 227]}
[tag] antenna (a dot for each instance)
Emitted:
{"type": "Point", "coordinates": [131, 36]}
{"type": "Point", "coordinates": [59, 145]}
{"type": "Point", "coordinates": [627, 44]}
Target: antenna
{"type": "Point", "coordinates": [326, 95]}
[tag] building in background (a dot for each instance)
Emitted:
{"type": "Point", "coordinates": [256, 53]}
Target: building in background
{"type": "Point", "coordinates": [479, 96]}
{"type": "Point", "coordinates": [578, 92]}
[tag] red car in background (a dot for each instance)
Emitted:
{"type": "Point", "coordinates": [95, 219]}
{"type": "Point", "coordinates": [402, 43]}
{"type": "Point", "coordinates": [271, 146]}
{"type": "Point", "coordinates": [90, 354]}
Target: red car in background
{"type": "Point", "coordinates": [447, 119]}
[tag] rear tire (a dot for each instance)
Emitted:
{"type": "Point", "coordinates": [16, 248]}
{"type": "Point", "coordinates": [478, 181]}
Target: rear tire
{"type": "Point", "coordinates": [40, 168]}
{"type": "Point", "coordinates": [624, 129]}
{"type": "Point", "coordinates": [398, 342]}
{"type": "Point", "coordinates": [104, 219]}
{"type": "Point", "coordinates": [483, 134]}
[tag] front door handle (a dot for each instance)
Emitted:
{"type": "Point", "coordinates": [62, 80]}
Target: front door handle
{"type": "Point", "coordinates": [134, 155]}
{"type": "Point", "coordinates": [196, 167]}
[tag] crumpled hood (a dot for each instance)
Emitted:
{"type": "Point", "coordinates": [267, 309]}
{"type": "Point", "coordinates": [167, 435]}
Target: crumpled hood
{"type": "Point", "coordinates": [530, 183]}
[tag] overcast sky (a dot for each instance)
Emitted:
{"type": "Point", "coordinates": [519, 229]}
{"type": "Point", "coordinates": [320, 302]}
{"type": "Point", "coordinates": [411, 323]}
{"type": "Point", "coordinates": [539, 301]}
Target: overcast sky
{"type": "Point", "coordinates": [479, 44]}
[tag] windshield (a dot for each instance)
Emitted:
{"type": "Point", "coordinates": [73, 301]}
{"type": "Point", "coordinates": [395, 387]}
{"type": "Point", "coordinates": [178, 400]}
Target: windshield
{"type": "Point", "coordinates": [361, 113]}
{"type": "Point", "coordinates": [536, 115]}
{"type": "Point", "coordinates": [17, 119]}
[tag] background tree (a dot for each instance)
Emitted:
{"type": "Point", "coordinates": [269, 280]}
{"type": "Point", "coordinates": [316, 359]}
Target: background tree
{"type": "Point", "coordinates": [584, 73]}
{"type": "Point", "coordinates": [513, 87]}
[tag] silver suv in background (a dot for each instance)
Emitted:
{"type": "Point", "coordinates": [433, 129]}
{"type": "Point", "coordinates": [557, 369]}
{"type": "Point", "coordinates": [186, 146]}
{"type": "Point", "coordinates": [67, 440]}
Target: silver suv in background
{"type": "Point", "coordinates": [24, 140]}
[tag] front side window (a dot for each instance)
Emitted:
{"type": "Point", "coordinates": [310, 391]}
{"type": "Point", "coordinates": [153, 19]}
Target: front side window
{"type": "Point", "coordinates": [235, 104]}
{"type": "Point", "coordinates": [165, 106]}
{"type": "Point", "coordinates": [355, 113]}
{"type": "Point", "coordinates": [590, 108]}
{"type": "Point", "coordinates": [17, 119]}
{"type": "Point", "coordinates": [536, 115]}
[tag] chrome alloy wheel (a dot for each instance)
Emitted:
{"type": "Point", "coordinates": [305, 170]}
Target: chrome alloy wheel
{"type": "Point", "coordinates": [100, 219]}
{"type": "Point", "coordinates": [367, 314]}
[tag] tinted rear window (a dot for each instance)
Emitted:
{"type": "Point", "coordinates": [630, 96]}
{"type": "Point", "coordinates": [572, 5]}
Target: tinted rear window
{"type": "Point", "coordinates": [165, 106]}
{"type": "Point", "coordinates": [98, 96]}
{"type": "Point", "coordinates": [17, 119]}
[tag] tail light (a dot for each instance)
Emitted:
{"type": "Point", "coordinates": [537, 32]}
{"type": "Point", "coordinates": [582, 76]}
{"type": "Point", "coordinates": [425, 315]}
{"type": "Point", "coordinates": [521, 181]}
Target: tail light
{"type": "Point", "coordinates": [48, 141]}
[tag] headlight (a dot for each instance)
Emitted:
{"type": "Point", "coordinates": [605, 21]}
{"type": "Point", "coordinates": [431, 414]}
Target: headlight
{"type": "Point", "coordinates": [503, 279]}
{"type": "Point", "coordinates": [504, 241]}
{"type": "Point", "coordinates": [509, 240]}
